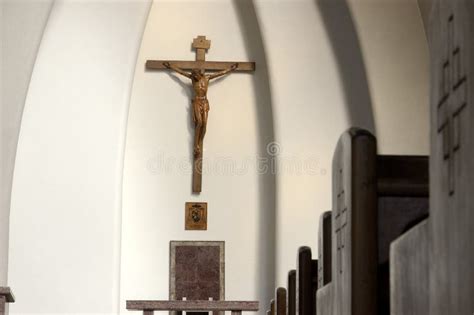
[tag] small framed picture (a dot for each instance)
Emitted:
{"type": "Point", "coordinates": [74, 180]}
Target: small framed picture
{"type": "Point", "coordinates": [196, 216]}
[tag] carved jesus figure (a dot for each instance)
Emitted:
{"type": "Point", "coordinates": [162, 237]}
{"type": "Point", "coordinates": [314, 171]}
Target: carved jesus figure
{"type": "Point", "coordinates": [200, 103]}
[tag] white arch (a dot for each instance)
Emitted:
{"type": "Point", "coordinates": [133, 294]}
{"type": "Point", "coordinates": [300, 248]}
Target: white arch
{"type": "Point", "coordinates": [66, 201]}
{"type": "Point", "coordinates": [22, 25]}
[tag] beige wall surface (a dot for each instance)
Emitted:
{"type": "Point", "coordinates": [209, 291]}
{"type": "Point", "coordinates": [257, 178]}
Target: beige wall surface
{"type": "Point", "coordinates": [395, 52]}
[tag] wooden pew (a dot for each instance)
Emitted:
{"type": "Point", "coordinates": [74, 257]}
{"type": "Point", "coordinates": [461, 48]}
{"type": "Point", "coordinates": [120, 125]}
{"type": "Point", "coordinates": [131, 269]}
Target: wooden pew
{"type": "Point", "coordinates": [434, 261]}
{"type": "Point", "coordinates": [324, 298]}
{"type": "Point", "coordinates": [291, 292]}
{"type": "Point", "coordinates": [409, 272]}
{"type": "Point", "coordinates": [280, 301]}
{"type": "Point", "coordinates": [402, 202]}
{"type": "Point", "coordinates": [324, 293]}
{"type": "Point", "coordinates": [444, 281]}
{"type": "Point", "coordinates": [451, 222]}
{"type": "Point", "coordinates": [324, 249]}
{"type": "Point", "coordinates": [375, 199]}
{"type": "Point", "coordinates": [306, 282]}
{"type": "Point", "coordinates": [6, 296]}
{"type": "Point", "coordinates": [354, 224]}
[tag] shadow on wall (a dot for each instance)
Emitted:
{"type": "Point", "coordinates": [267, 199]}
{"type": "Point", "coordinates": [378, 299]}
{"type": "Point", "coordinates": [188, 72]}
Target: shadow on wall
{"type": "Point", "coordinates": [344, 41]}
{"type": "Point", "coordinates": [267, 183]}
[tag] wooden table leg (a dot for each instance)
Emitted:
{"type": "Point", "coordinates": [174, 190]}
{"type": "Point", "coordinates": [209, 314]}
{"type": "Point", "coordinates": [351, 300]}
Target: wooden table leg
{"type": "Point", "coordinates": [236, 312]}
{"type": "Point", "coordinates": [145, 312]}
{"type": "Point", "coordinates": [3, 301]}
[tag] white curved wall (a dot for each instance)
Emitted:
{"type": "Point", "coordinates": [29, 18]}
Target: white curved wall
{"type": "Point", "coordinates": [22, 24]}
{"type": "Point", "coordinates": [66, 202]}
{"type": "Point", "coordinates": [157, 173]}
{"type": "Point", "coordinates": [396, 55]}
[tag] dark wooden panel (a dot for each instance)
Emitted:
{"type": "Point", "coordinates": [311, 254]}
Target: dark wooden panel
{"type": "Point", "coordinates": [306, 282]}
{"type": "Point", "coordinates": [399, 175]}
{"type": "Point", "coordinates": [292, 292]}
{"type": "Point", "coordinates": [314, 284]}
{"type": "Point", "coordinates": [402, 189]}
{"type": "Point", "coordinates": [395, 216]}
{"type": "Point", "coordinates": [354, 224]}
{"type": "Point", "coordinates": [451, 219]}
{"type": "Point", "coordinates": [409, 271]}
{"type": "Point", "coordinates": [324, 249]}
{"type": "Point", "coordinates": [280, 301]}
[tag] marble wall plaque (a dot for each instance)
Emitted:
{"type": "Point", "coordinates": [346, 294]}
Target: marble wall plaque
{"type": "Point", "coordinates": [197, 270]}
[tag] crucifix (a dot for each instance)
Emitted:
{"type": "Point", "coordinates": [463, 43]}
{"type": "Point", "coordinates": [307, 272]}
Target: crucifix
{"type": "Point", "coordinates": [196, 72]}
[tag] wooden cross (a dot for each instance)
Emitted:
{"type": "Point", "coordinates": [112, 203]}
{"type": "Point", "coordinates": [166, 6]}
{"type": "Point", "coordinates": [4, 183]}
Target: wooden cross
{"type": "Point", "coordinates": [201, 45]}
{"type": "Point", "coordinates": [453, 101]}
{"type": "Point", "coordinates": [341, 223]}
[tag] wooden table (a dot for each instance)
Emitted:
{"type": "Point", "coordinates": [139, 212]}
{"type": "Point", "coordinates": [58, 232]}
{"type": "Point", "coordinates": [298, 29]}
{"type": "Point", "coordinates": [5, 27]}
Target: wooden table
{"type": "Point", "coordinates": [6, 296]}
{"type": "Point", "coordinates": [236, 307]}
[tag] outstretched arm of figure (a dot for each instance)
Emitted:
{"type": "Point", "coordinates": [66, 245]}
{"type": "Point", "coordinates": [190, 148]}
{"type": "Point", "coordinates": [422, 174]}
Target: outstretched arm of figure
{"type": "Point", "coordinates": [223, 72]}
{"type": "Point", "coordinates": [176, 69]}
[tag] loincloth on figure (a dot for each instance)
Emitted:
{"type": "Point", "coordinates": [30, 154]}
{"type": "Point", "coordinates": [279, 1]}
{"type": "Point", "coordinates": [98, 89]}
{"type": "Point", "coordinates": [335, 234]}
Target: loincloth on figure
{"type": "Point", "coordinates": [200, 105]}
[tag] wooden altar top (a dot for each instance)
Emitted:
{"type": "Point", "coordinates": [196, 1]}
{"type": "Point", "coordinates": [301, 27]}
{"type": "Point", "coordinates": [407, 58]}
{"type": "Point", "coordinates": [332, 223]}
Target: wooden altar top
{"type": "Point", "coordinates": [202, 306]}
